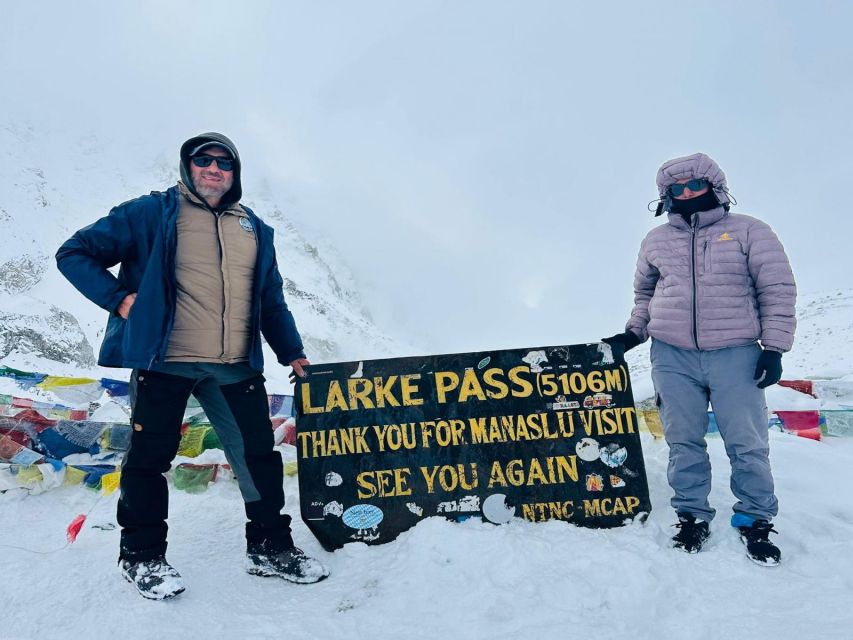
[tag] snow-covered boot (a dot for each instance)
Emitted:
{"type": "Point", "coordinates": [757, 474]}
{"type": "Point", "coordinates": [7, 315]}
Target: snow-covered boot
{"type": "Point", "coordinates": [692, 533]}
{"type": "Point", "coordinates": [759, 549]}
{"type": "Point", "coordinates": [154, 579]}
{"type": "Point", "coordinates": [291, 564]}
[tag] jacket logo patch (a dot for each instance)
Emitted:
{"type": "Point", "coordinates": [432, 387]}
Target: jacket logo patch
{"type": "Point", "coordinates": [246, 224]}
{"type": "Point", "coordinates": [725, 236]}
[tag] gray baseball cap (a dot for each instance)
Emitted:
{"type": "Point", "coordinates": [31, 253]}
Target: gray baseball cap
{"type": "Point", "coordinates": [208, 145]}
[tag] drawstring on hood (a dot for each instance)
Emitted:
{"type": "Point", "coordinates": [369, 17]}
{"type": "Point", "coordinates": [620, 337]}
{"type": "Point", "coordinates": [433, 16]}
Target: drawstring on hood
{"type": "Point", "coordinates": [236, 191]}
{"type": "Point", "coordinates": [698, 165]}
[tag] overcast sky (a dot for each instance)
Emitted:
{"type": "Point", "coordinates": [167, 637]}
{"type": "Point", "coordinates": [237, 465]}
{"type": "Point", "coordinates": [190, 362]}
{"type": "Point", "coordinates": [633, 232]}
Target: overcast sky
{"type": "Point", "coordinates": [484, 167]}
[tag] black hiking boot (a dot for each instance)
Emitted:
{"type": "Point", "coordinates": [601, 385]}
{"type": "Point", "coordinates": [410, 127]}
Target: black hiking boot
{"type": "Point", "coordinates": [692, 533]}
{"type": "Point", "coordinates": [291, 564]}
{"type": "Point", "coordinates": [154, 579]}
{"type": "Point", "coordinates": [759, 549]}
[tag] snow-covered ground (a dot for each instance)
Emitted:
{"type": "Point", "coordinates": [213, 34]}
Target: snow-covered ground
{"type": "Point", "coordinates": [448, 580]}
{"type": "Point", "coordinates": [469, 580]}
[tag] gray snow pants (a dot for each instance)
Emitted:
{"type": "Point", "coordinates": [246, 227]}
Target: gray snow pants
{"type": "Point", "coordinates": [685, 381]}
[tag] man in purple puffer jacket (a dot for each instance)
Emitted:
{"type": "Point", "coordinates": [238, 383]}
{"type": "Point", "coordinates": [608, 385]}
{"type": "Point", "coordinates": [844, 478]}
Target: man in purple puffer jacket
{"type": "Point", "coordinates": [710, 286]}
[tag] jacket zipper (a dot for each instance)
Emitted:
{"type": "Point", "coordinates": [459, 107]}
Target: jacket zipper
{"type": "Point", "coordinates": [218, 217]}
{"type": "Point", "coordinates": [693, 270]}
{"type": "Point", "coordinates": [256, 291]}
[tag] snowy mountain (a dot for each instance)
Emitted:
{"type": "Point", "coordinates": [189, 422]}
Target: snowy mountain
{"type": "Point", "coordinates": [46, 325]}
{"type": "Point", "coordinates": [441, 579]}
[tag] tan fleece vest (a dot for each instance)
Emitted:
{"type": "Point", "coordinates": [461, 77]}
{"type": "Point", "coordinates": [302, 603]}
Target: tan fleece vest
{"type": "Point", "coordinates": [214, 266]}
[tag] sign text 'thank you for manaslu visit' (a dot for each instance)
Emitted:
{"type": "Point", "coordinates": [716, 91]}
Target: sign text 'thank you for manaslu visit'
{"type": "Point", "coordinates": [546, 433]}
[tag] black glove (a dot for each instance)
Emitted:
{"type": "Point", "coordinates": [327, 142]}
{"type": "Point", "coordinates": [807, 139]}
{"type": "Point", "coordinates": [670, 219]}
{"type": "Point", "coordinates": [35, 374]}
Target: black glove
{"type": "Point", "coordinates": [627, 340]}
{"type": "Point", "coordinates": [770, 367]}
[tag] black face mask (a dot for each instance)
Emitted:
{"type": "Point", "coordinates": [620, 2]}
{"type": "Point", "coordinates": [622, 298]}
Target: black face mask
{"type": "Point", "coordinates": [687, 208]}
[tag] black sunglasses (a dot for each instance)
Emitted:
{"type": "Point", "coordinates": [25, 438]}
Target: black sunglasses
{"type": "Point", "coordinates": [225, 164]}
{"type": "Point", "coordinates": [696, 184]}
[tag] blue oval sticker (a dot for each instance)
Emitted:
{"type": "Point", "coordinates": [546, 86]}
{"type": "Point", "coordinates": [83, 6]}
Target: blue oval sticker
{"type": "Point", "coordinates": [362, 516]}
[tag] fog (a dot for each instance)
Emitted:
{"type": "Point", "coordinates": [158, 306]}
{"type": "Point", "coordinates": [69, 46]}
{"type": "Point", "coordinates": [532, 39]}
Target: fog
{"type": "Point", "coordinates": [483, 167]}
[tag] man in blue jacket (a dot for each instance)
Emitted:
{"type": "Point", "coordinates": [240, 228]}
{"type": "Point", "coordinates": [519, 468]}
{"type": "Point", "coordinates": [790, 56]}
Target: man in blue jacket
{"type": "Point", "coordinates": [197, 286]}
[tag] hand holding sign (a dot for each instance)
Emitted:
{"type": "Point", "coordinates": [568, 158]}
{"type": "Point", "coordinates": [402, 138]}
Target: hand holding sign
{"type": "Point", "coordinates": [298, 371]}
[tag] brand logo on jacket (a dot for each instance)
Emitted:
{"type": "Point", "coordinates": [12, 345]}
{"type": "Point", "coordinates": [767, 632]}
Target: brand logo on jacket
{"type": "Point", "coordinates": [246, 224]}
{"type": "Point", "coordinates": [725, 236]}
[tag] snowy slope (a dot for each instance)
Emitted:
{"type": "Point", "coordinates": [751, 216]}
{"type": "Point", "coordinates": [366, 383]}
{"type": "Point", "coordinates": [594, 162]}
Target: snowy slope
{"type": "Point", "coordinates": [471, 580]}
{"type": "Point", "coordinates": [446, 580]}
{"type": "Point", "coordinates": [45, 324]}
{"type": "Point", "coordinates": [824, 343]}
{"type": "Point", "coordinates": [439, 580]}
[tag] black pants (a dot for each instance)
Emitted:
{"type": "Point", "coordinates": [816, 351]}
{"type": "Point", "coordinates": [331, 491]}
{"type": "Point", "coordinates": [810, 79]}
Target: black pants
{"type": "Point", "coordinates": [158, 410]}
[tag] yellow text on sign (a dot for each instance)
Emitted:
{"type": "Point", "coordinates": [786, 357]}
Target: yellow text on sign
{"type": "Point", "coordinates": [384, 483]}
{"type": "Point", "coordinates": [453, 387]}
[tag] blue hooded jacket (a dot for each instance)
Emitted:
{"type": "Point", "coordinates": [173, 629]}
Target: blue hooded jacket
{"type": "Point", "coordinates": [141, 236]}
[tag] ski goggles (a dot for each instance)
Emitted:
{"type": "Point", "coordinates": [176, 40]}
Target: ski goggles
{"type": "Point", "coordinates": [696, 184]}
{"type": "Point", "coordinates": [225, 164]}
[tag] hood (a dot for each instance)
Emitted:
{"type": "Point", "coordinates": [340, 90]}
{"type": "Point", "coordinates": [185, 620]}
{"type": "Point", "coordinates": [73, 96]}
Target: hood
{"type": "Point", "coordinates": [698, 165]}
{"type": "Point", "coordinates": [236, 192]}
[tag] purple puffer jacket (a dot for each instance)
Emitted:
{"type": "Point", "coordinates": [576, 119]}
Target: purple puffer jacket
{"type": "Point", "coordinates": [725, 282]}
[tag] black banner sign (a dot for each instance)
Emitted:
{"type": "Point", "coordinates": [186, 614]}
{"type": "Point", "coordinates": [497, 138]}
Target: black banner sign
{"type": "Point", "coordinates": [548, 433]}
